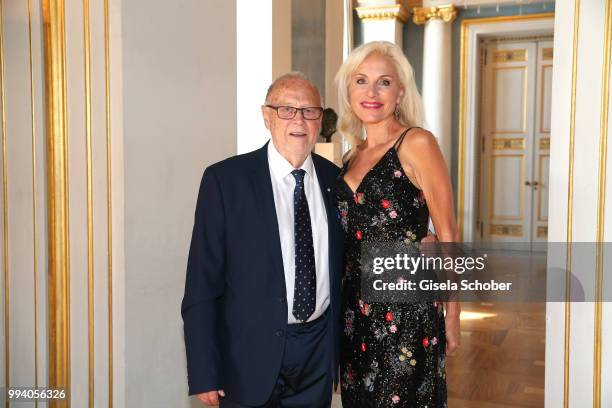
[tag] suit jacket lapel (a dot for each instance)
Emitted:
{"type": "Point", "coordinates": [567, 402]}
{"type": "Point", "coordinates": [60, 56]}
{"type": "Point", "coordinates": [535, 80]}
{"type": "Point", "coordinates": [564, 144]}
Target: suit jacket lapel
{"type": "Point", "coordinates": [262, 187]}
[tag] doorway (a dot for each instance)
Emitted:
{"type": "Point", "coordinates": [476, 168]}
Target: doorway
{"type": "Point", "coordinates": [515, 106]}
{"type": "Point", "coordinates": [502, 358]}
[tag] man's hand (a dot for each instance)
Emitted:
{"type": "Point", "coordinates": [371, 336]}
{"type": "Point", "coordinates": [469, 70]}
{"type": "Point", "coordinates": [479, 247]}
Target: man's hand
{"type": "Point", "coordinates": [210, 398]}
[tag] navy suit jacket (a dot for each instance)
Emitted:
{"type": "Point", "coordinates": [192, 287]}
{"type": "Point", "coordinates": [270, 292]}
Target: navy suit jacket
{"type": "Point", "coordinates": [235, 304]}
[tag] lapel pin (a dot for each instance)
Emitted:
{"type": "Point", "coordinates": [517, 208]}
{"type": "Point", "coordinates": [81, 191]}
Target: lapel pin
{"type": "Point", "coordinates": [328, 189]}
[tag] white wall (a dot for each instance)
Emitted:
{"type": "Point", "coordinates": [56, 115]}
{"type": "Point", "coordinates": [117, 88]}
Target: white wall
{"type": "Point", "coordinates": [26, 196]}
{"type": "Point", "coordinates": [179, 107]}
{"type": "Point", "coordinates": [25, 239]}
{"type": "Point", "coordinates": [577, 108]}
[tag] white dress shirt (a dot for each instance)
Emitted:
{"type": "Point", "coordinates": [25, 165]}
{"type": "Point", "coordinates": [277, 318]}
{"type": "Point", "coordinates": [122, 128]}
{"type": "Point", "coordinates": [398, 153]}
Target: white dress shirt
{"type": "Point", "coordinates": [283, 185]}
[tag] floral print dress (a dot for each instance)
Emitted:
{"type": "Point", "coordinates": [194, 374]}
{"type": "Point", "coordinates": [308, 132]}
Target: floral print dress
{"type": "Point", "coordinates": [392, 354]}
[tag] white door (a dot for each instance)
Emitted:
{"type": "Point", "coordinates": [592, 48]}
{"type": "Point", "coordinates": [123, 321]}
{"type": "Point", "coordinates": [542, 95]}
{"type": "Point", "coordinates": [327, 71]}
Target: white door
{"type": "Point", "coordinates": [541, 148]}
{"type": "Point", "coordinates": [515, 134]}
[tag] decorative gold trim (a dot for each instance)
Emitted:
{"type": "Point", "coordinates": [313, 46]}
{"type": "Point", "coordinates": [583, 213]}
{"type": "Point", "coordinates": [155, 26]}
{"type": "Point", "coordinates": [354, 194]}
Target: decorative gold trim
{"type": "Point", "coordinates": [34, 184]}
{"type": "Point", "coordinates": [545, 143]}
{"type": "Point", "coordinates": [541, 186]}
{"type": "Point", "coordinates": [570, 209]}
{"type": "Point", "coordinates": [5, 219]}
{"type": "Point", "coordinates": [542, 231]}
{"type": "Point", "coordinates": [509, 39]}
{"type": "Point", "coordinates": [505, 19]}
{"type": "Point", "coordinates": [601, 207]}
{"type": "Point", "coordinates": [547, 54]}
{"type": "Point", "coordinates": [109, 204]}
{"type": "Point", "coordinates": [506, 230]}
{"type": "Point", "coordinates": [542, 69]}
{"type": "Point", "coordinates": [377, 13]}
{"type": "Point", "coordinates": [421, 15]}
{"type": "Point", "coordinates": [465, 24]}
{"type": "Point", "coordinates": [523, 128]}
{"type": "Point", "coordinates": [462, 119]}
{"type": "Point", "coordinates": [510, 56]}
{"type": "Point", "coordinates": [406, 3]}
{"type": "Point", "coordinates": [57, 196]}
{"type": "Point", "coordinates": [492, 216]}
{"type": "Point", "coordinates": [89, 176]}
{"type": "Point", "coordinates": [515, 143]}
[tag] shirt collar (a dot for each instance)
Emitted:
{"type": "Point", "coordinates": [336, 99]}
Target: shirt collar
{"type": "Point", "coordinates": [280, 167]}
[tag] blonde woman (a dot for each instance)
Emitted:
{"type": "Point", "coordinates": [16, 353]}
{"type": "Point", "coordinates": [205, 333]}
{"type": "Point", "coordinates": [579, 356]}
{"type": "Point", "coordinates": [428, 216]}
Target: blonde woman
{"type": "Point", "coordinates": [392, 181]}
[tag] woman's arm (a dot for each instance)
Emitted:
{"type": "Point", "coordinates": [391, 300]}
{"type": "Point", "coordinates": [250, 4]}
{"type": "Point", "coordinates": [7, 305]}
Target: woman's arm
{"type": "Point", "coordinates": [424, 164]}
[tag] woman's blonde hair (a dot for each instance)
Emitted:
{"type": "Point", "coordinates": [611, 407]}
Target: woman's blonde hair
{"type": "Point", "coordinates": [410, 106]}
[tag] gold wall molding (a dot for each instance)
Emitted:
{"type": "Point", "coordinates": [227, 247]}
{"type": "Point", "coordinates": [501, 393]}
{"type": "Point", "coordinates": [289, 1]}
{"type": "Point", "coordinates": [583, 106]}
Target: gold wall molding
{"type": "Point", "coordinates": [542, 231]}
{"type": "Point", "coordinates": [109, 200]}
{"type": "Point", "coordinates": [545, 143]}
{"type": "Point", "coordinates": [601, 207]}
{"type": "Point", "coordinates": [446, 13]}
{"type": "Point", "coordinates": [34, 189]}
{"type": "Point", "coordinates": [57, 196]}
{"type": "Point", "coordinates": [517, 143]}
{"type": "Point", "coordinates": [547, 54]}
{"type": "Point", "coordinates": [510, 56]}
{"type": "Point", "coordinates": [383, 12]}
{"type": "Point", "coordinates": [543, 69]}
{"type": "Point", "coordinates": [506, 230]}
{"type": "Point", "coordinates": [89, 177]}
{"type": "Point", "coordinates": [5, 219]}
{"type": "Point", "coordinates": [492, 215]}
{"type": "Point", "coordinates": [407, 3]}
{"type": "Point", "coordinates": [509, 39]}
{"type": "Point", "coordinates": [541, 158]}
{"type": "Point", "coordinates": [570, 209]}
{"type": "Point", "coordinates": [525, 78]}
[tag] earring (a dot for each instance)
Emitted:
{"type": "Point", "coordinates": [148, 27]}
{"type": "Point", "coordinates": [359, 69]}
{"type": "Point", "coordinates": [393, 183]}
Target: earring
{"type": "Point", "coordinates": [396, 113]}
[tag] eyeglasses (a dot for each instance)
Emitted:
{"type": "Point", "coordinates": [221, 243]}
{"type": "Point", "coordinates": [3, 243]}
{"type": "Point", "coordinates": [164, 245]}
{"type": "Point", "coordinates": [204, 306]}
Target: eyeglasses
{"type": "Point", "coordinates": [289, 112]}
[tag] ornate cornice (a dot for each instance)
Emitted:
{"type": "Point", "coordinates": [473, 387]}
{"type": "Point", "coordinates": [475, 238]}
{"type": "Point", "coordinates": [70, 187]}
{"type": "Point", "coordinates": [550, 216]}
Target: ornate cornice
{"type": "Point", "coordinates": [383, 12]}
{"type": "Point", "coordinates": [423, 14]}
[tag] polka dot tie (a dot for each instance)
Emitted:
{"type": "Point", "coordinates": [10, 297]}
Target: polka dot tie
{"type": "Point", "coordinates": [305, 293]}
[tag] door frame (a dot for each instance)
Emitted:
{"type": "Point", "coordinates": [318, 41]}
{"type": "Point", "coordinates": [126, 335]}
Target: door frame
{"type": "Point", "coordinates": [532, 152]}
{"type": "Point", "coordinates": [487, 154]}
{"type": "Point", "coordinates": [472, 30]}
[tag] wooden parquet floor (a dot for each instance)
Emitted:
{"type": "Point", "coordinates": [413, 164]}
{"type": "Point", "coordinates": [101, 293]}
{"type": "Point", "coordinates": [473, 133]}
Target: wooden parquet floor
{"type": "Point", "coordinates": [500, 363]}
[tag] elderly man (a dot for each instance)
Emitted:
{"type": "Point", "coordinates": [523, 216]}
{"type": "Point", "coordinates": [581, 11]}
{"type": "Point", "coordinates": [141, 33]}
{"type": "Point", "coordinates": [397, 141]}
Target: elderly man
{"type": "Point", "coordinates": [261, 308]}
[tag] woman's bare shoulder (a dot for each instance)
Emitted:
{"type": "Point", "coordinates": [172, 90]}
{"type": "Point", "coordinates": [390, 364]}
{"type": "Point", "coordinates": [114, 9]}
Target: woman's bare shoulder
{"type": "Point", "coordinates": [418, 144]}
{"type": "Point", "coordinates": [420, 138]}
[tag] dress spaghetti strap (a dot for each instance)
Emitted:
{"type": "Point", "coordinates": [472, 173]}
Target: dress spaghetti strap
{"type": "Point", "coordinates": [400, 139]}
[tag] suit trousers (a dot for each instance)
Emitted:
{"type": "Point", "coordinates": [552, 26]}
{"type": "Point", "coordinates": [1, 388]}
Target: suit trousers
{"type": "Point", "coordinates": [305, 378]}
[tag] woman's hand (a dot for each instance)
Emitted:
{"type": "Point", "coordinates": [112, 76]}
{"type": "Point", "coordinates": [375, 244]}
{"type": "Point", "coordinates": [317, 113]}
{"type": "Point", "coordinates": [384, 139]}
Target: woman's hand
{"type": "Point", "coordinates": [430, 238]}
{"type": "Point", "coordinates": [453, 327]}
